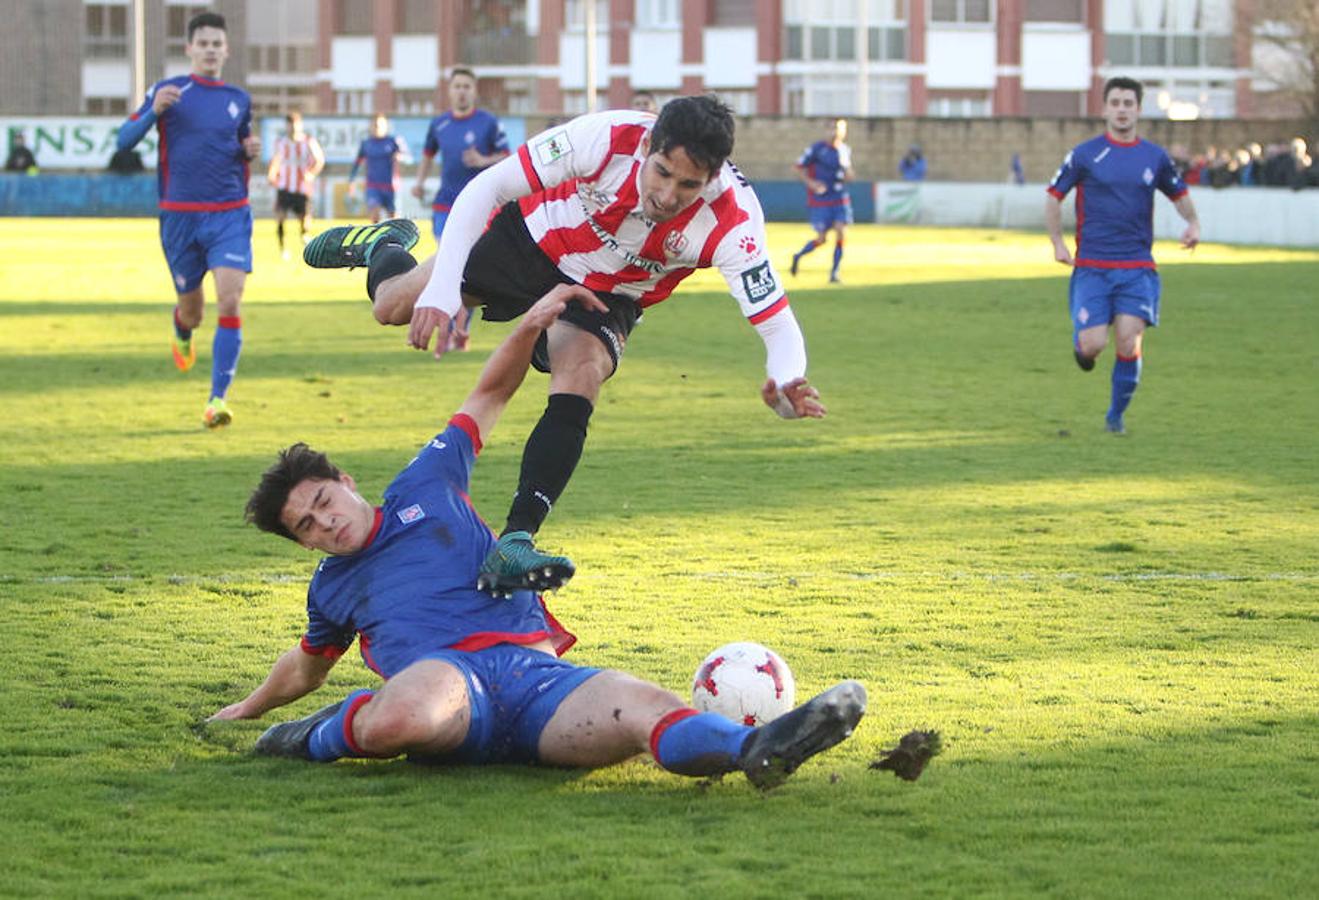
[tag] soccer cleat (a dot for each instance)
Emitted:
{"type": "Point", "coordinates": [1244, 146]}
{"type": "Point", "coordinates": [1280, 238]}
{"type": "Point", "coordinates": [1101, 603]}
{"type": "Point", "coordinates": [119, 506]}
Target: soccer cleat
{"type": "Point", "coordinates": [1114, 425]}
{"type": "Point", "coordinates": [185, 353]}
{"type": "Point", "coordinates": [796, 261]}
{"type": "Point", "coordinates": [350, 246]}
{"type": "Point", "coordinates": [515, 564]}
{"type": "Point", "coordinates": [773, 752]}
{"type": "Point", "coordinates": [834, 279]}
{"type": "Point", "coordinates": [1085, 362]}
{"type": "Point", "coordinates": [217, 414]}
{"type": "Point", "coordinates": [289, 739]}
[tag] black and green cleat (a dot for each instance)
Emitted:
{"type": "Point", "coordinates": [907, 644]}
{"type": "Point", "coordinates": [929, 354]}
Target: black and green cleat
{"type": "Point", "coordinates": [515, 564]}
{"type": "Point", "coordinates": [351, 246]}
{"type": "Point", "coordinates": [774, 751]}
{"type": "Point", "coordinates": [289, 739]}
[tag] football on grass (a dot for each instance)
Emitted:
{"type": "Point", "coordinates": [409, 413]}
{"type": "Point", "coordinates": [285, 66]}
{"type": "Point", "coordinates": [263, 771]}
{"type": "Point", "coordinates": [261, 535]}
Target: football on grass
{"type": "Point", "coordinates": [744, 682]}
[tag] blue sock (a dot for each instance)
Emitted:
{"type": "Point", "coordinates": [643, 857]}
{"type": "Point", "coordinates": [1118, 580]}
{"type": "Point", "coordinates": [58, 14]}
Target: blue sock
{"type": "Point", "coordinates": [809, 246]}
{"type": "Point", "coordinates": [692, 743]}
{"type": "Point", "coordinates": [1126, 375]}
{"type": "Point", "coordinates": [330, 740]}
{"type": "Point", "coordinates": [224, 354]}
{"type": "Point", "coordinates": [183, 333]}
{"type": "Point", "coordinates": [838, 257]}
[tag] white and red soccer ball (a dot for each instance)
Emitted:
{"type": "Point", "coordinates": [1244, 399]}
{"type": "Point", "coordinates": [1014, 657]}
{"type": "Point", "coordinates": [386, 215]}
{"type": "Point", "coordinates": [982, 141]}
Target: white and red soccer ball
{"type": "Point", "coordinates": [744, 682]}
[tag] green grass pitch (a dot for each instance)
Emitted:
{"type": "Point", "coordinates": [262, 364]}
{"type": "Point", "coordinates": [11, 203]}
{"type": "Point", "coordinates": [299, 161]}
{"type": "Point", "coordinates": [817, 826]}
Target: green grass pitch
{"type": "Point", "coordinates": [1116, 636]}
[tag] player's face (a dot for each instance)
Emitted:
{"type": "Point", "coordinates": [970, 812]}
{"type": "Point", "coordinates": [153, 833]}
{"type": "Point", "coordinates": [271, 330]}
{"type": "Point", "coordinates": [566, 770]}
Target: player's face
{"type": "Point", "coordinates": [379, 127]}
{"type": "Point", "coordinates": [670, 182]}
{"type": "Point", "coordinates": [329, 516]}
{"type": "Point", "coordinates": [837, 130]}
{"type": "Point", "coordinates": [462, 93]}
{"type": "Point", "coordinates": [207, 51]}
{"type": "Point", "coordinates": [1121, 110]}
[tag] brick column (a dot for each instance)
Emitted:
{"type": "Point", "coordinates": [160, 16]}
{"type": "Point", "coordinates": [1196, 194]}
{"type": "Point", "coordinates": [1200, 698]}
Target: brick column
{"type": "Point", "coordinates": [327, 25]}
{"type": "Point", "coordinates": [549, 93]}
{"type": "Point", "coordinates": [1008, 97]}
{"type": "Point", "coordinates": [449, 22]}
{"type": "Point", "coordinates": [622, 18]}
{"type": "Point", "coordinates": [382, 23]}
{"type": "Point", "coordinates": [695, 14]}
{"type": "Point", "coordinates": [1241, 57]}
{"type": "Point", "coordinates": [769, 49]}
{"type": "Point", "coordinates": [1094, 20]}
{"type": "Point", "coordinates": [917, 94]}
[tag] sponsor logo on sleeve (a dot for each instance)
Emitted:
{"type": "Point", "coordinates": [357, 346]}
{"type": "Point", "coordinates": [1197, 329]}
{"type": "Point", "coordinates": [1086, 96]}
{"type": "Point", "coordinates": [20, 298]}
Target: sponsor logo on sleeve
{"type": "Point", "coordinates": [759, 282]}
{"type": "Point", "coordinates": [553, 148]}
{"type": "Point", "coordinates": [411, 514]}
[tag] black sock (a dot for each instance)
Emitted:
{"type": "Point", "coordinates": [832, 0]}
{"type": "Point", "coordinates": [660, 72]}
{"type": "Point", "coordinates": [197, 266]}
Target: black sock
{"type": "Point", "coordinates": [279, 230]}
{"type": "Point", "coordinates": [387, 261]}
{"type": "Point", "coordinates": [548, 460]}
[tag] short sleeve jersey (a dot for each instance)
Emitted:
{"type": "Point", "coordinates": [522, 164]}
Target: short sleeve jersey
{"type": "Point", "coordinates": [296, 159]}
{"type": "Point", "coordinates": [450, 135]}
{"type": "Point", "coordinates": [381, 158]}
{"type": "Point", "coordinates": [1115, 184]}
{"type": "Point", "coordinates": [827, 164]}
{"type": "Point", "coordinates": [202, 166]}
{"type": "Point", "coordinates": [411, 590]}
{"type": "Point", "coordinates": [587, 215]}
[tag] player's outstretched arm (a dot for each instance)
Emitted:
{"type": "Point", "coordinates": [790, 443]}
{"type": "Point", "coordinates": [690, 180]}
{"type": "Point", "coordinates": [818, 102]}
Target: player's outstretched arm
{"type": "Point", "coordinates": [295, 674]}
{"type": "Point", "coordinates": [507, 366]}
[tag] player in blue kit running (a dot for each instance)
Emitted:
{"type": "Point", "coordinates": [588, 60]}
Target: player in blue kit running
{"type": "Point", "coordinates": [472, 678]}
{"type": "Point", "coordinates": [204, 150]}
{"type": "Point", "coordinates": [381, 152]}
{"type": "Point", "coordinates": [825, 168]}
{"type": "Point", "coordinates": [467, 140]}
{"type": "Point", "coordinates": [1114, 281]}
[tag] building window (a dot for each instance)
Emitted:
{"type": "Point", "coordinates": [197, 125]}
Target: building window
{"type": "Point", "coordinates": [1055, 11]}
{"type": "Point", "coordinates": [414, 17]}
{"type": "Point", "coordinates": [105, 106]}
{"type": "Point", "coordinates": [964, 106]}
{"type": "Point", "coordinates": [574, 17]}
{"type": "Point", "coordinates": [839, 95]}
{"type": "Point", "coordinates": [1185, 51]}
{"type": "Point", "coordinates": [176, 27]}
{"type": "Point", "coordinates": [961, 11]}
{"type": "Point", "coordinates": [106, 36]}
{"type": "Point", "coordinates": [724, 13]}
{"type": "Point", "coordinates": [742, 103]}
{"type": "Point", "coordinates": [414, 102]}
{"type": "Point", "coordinates": [354, 17]}
{"type": "Point", "coordinates": [659, 14]}
{"type": "Point", "coordinates": [1055, 104]}
{"type": "Point", "coordinates": [828, 31]}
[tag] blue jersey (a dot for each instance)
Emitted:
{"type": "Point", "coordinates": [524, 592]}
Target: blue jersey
{"type": "Point", "coordinates": [449, 135]}
{"type": "Point", "coordinates": [1115, 184]}
{"type": "Point", "coordinates": [202, 166]}
{"type": "Point", "coordinates": [381, 157]}
{"type": "Point", "coordinates": [411, 591]}
{"type": "Point", "coordinates": [827, 164]}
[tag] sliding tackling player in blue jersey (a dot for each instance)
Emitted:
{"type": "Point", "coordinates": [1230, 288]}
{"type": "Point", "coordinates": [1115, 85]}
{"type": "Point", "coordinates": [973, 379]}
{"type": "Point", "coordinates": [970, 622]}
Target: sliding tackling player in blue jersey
{"type": "Point", "coordinates": [825, 168]}
{"type": "Point", "coordinates": [205, 147]}
{"type": "Point", "coordinates": [467, 140]}
{"type": "Point", "coordinates": [469, 677]}
{"type": "Point", "coordinates": [1113, 280]}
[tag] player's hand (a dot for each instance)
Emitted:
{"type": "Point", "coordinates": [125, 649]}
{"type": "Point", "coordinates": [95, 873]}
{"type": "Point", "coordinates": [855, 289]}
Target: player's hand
{"type": "Point", "coordinates": [1062, 254]}
{"type": "Point", "coordinates": [426, 321]}
{"type": "Point", "coordinates": [232, 711]}
{"type": "Point", "coordinates": [1191, 236]}
{"type": "Point", "coordinates": [165, 98]}
{"type": "Point", "coordinates": [794, 400]}
{"type": "Point", "coordinates": [818, 186]}
{"type": "Point", "coordinates": [352, 189]}
{"type": "Point", "coordinates": [252, 146]}
{"type": "Point", "coordinates": [552, 305]}
{"type": "Point", "coordinates": [419, 191]}
{"type": "Point", "coordinates": [473, 159]}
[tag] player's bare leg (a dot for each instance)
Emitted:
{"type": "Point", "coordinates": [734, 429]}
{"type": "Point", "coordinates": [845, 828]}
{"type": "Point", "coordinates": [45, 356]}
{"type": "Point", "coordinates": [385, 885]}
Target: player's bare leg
{"type": "Point", "coordinates": [1090, 342]}
{"type": "Point", "coordinates": [810, 245]}
{"type": "Point", "coordinates": [607, 720]}
{"type": "Point", "coordinates": [424, 710]}
{"type": "Point", "coordinates": [280, 215]}
{"type": "Point", "coordinates": [395, 297]}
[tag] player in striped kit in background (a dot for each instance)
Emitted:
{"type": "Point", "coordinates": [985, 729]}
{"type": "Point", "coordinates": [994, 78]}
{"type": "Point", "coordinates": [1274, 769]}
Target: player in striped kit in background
{"type": "Point", "coordinates": [296, 161]}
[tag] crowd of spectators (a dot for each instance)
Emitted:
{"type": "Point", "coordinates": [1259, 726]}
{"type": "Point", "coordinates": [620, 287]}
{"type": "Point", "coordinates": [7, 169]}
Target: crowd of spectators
{"type": "Point", "coordinates": [1288, 165]}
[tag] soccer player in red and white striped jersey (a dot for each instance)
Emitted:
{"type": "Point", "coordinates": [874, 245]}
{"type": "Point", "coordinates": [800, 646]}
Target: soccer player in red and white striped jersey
{"type": "Point", "coordinates": [295, 163]}
{"type": "Point", "coordinates": [627, 205]}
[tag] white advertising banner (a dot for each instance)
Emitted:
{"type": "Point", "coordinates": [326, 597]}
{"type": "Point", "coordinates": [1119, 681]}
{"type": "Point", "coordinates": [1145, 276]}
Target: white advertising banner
{"type": "Point", "coordinates": [74, 142]}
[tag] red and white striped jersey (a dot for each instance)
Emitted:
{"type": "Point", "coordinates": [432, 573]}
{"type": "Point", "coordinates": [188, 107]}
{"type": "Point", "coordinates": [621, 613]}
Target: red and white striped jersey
{"type": "Point", "coordinates": [586, 214]}
{"type": "Point", "coordinates": [294, 160]}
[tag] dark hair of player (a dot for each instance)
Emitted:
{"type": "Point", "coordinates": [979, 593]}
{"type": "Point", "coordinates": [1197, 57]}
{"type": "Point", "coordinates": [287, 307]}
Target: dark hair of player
{"type": "Point", "coordinates": [702, 126]}
{"type": "Point", "coordinates": [295, 465]}
{"type": "Point", "coordinates": [293, 116]}
{"type": "Point", "coordinates": [205, 20]}
{"type": "Point", "coordinates": [1122, 83]}
{"type": "Point", "coordinates": [462, 70]}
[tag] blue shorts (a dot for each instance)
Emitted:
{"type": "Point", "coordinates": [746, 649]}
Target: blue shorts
{"type": "Point", "coordinates": [197, 242]}
{"type": "Point", "coordinates": [1097, 295]}
{"type": "Point", "coordinates": [381, 198]}
{"type": "Point", "coordinates": [823, 218]}
{"type": "Point", "coordinates": [514, 692]}
{"type": "Point", "coordinates": [438, 219]}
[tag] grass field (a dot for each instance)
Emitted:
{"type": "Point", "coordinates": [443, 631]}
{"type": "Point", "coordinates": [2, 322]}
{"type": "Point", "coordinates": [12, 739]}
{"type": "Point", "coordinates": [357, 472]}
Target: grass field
{"type": "Point", "coordinates": [1116, 636]}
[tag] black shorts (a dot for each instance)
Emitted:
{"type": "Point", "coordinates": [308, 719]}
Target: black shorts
{"type": "Point", "coordinates": [509, 273]}
{"type": "Point", "coordinates": [291, 201]}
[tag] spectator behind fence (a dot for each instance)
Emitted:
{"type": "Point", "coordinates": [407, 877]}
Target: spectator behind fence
{"type": "Point", "coordinates": [1017, 172]}
{"type": "Point", "coordinates": [126, 162]}
{"type": "Point", "coordinates": [20, 158]}
{"type": "Point", "coordinates": [912, 166]}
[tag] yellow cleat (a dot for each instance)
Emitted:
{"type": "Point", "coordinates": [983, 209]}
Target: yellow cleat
{"type": "Point", "coordinates": [217, 414]}
{"type": "Point", "coordinates": [185, 354]}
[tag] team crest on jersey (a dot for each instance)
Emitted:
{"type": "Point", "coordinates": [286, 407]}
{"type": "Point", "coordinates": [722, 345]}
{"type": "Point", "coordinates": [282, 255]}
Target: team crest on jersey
{"type": "Point", "coordinates": [1147, 176]}
{"type": "Point", "coordinates": [759, 282]}
{"type": "Point", "coordinates": [470, 137]}
{"type": "Point", "coordinates": [553, 148]}
{"type": "Point", "coordinates": [233, 110]}
{"type": "Point", "coordinates": [411, 514]}
{"type": "Point", "coordinates": [675, 243]}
